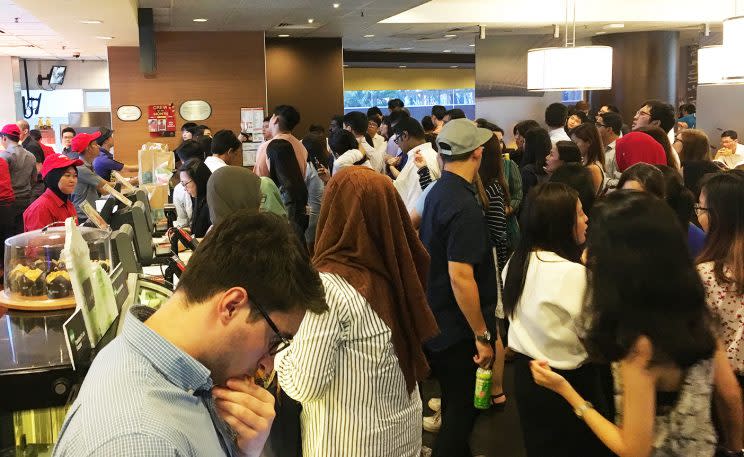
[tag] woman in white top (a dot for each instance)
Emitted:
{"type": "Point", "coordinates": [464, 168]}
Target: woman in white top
{"type": "Point", "coordinates": [355, 368]}
{"type": "Point", "coordinates": [346, 150]}
{"type": "Point", "coordinates": [586, 136]}
{"type": "Point", "coordinates": [544, 288]}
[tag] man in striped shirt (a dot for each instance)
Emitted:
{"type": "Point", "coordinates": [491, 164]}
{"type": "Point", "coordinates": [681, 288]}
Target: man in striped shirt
{"type": "Point", "coordinates": [179, 381]}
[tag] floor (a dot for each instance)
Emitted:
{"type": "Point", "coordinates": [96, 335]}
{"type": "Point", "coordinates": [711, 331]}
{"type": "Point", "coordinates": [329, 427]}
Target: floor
{"type": "Point", "coordinates": [496, 433]}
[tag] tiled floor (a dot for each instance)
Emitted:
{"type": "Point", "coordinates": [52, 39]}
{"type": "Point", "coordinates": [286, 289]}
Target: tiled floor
{"type": "Point", "coordinates": [496, 433]}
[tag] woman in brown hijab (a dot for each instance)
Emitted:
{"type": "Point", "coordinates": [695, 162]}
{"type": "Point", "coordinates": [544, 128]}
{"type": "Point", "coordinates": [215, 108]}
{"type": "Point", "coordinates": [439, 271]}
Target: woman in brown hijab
{"type": "Point", "coordinates": [355, 368]}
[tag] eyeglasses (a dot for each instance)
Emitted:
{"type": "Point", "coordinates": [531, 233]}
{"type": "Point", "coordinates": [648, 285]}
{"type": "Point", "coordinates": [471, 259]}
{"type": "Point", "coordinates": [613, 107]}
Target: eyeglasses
{"type": "Point", "coordinates": [643, 113]}
{"type": "Point", "coordinates": [699, 209]}
{"type": "Point", "coordinates": [599, 125]}
{"type": "Point", "coordinates": [184, 184]}
{"type": "Point", "coordinates": [398, 138]}
{"type": "Point", "coordinates": [280, 341]}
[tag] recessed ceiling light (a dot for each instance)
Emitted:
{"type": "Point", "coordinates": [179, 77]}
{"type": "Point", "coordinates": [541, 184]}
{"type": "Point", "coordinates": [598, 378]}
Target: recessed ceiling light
{"type": "Point", "coordinates": [450, 36]}
{"type": "Point", "coordinates": [369, 36]}
{"type": "Point", "coordinates": [105, 37]}
{"type": "Point", "coordinates": [471, 45]}
{"type": "Point", "coordinates": [601, 33]}
{"type": "Point", "coordinates": [447, 50]}
{"type": "Point", "coordinates": [346, 65]}
{"type": "Point", "coordinates": [336, 5]}
{"type": "Point", "coordinates": [200, 19]}
{"type": "Point", "coordinates": [402, 66]}
{"type": "Point", "coordinates": [283, 35]}
{"type": "Point", "coordinates": [310, 21]}
{"type": "Point", "coordinates": [454, 66]}
{"type": "Point", "coordinates": [405, 49]}
{"type": "Point", "coordinates": [614, 26]}
{"type": "Point", "coordinates": [91, 21]}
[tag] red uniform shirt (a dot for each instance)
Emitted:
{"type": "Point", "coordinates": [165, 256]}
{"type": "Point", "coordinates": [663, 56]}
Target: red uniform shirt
{"type": "Point", "coordinates": [6, 187]}
{"type": "Point", "coordinates": [48, 150]}
{"type": "Point", "coordinates": [46, 209]}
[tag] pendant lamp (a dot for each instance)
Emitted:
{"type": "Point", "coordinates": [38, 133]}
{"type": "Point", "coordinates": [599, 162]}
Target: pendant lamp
{"type": "Point", "coordinates": [733, 43]}
{"type": "Point", "coordinates": [712, 65]}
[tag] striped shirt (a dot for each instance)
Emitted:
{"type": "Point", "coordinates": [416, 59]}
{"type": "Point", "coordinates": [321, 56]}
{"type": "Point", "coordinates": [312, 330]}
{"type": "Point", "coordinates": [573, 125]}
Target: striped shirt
{"type": "Point", "coordinates": [342, 367]}
{"type": "Point", "coordinates": [496, 220]}
{"type": "Point", "coordinates": [144, 397]}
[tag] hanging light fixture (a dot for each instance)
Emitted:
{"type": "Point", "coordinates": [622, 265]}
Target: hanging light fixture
{"type": "Point", "coordinates": [733, 43]}
{"type": "Point", "coordinates": [570, 67]}
{"type": "Point", "coordinates": [712, 63]}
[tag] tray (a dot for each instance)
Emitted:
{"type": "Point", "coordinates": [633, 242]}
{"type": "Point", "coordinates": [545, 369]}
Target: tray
{"type": "Point", "coordinates": [41, 303]}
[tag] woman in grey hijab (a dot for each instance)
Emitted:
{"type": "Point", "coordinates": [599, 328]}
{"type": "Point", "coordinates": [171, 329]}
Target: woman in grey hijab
{"type": "Point", "coordinates": [232, 188]}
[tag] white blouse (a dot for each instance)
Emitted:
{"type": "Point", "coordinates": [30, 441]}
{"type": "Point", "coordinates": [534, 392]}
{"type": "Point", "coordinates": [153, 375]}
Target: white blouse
{"type": "Point", "coordinates": [544, 323]}
{"type": "Point", "coordinates": [342, 367]}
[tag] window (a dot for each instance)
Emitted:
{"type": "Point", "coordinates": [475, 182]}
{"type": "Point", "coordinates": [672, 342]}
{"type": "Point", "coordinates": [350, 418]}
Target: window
{"type": "Point", "coordinates": [418, 101]}
{"type": "Point", "coordinates": [97, 100]}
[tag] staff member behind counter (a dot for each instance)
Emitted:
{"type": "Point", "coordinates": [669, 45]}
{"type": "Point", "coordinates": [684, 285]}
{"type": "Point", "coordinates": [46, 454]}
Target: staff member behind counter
{"type": "Point", "coordinates": [104, 164]}
{"type": "Point", "coordinates": [194, 176]}
{"type": "Point", "coordinates": [89, 186]}
{"type": "Point", "coordinates": [60, 177]}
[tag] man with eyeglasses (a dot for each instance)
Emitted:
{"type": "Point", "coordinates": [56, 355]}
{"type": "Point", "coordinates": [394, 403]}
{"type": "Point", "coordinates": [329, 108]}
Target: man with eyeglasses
{"type": "Point", "coordinates": [179, 381]}
{"type": "Point", "coordinates": [610, 125]}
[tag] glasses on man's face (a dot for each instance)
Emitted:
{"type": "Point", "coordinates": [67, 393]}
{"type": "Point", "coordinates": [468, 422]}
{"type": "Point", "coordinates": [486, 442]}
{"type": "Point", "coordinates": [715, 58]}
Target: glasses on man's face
{"type": "Point", "coordinates": [640, 113]}
{"type": "Point", "coordinates": [398, 138]}
{"type": "Point", "coordinates": [184, 184]}
{"type": "Point", "coordinates": [699, 209]}
{"type": "Point", "coordinates": [280, 341]}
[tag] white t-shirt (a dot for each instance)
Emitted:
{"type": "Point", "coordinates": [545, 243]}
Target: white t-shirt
{"type": "Point", "coordinates": [182, 202]}
{"type": "Point", "coordinates": [558, 134]}
{"type": "Point", "coordinates": [544, 322]}
{"type": "Point", "coordinates": [214, 163]}
{"type": "Point", "coordinates": [348, 159]}
{"type": "Point", "coordinates": [376, 159]}
{"type": "Point", "coordinates": [407, 182]}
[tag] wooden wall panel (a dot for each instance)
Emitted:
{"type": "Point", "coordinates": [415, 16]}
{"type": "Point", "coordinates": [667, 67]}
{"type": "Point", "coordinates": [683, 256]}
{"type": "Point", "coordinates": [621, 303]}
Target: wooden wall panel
{"type": "Point", "coordinates": [226, 69]}
{"type": "Point", "coordinates": [308, 74]}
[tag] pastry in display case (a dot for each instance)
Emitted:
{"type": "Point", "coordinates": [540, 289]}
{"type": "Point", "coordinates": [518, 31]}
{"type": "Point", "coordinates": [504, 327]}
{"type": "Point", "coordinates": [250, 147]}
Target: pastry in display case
{"type": "Point", "coordinates": [36, 278]}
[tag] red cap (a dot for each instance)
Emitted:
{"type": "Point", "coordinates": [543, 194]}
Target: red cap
{"type": "Point", "coordinates": [11, 129]}
{"type": "Point", "coordinates": [55, 161]}
{"type": "Point", "coordinates": [638, 147]}
{"type": "Point", "coordinates": [82, 140]}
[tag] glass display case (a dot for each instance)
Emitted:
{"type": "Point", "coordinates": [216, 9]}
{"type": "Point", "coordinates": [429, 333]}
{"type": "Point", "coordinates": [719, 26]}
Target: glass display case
{"type": "Point", "coordinates": [36, 278]}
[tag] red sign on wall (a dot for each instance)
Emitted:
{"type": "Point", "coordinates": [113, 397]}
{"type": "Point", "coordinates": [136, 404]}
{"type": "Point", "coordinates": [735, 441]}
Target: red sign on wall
{"type": "Point", "coordinates": [161, 120]}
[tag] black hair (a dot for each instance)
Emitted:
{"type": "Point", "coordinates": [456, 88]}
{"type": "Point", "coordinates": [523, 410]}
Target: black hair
{"type": "Point", "coordinates": [287, 117]}
{"type": "Point", "coordinates": [316, 128]}
{"type": "Point", "coordinates": [455, 113]}
{"type": "Point", "coordinates": [376, 120]}
{"type": "Point", "coordinates": [374, 111]}
{"type": "Point", "coordinates": [427, 124]}
{"type": "Point", "coordinates": [357, 121]}
{"type": "Point", "coordinates": [410, 126]}
{"type": "Point", "coordinates": [614, 121]}
{"type": "Point", "coordinates": [492, 167]}
{"type": "Point", "coordinates": [395, 103]}
{"type": "Point", "coordinates": [578, 113]}
{"type": "Point", "coordinates": [537, 146]}
{"type": "Point", "coordinates": [438, 111]}
{"type": "Point", "coordinates": [612, 108]}
{"type": "Point", "coordinates": [225, 141]}
{"type": "Point", "coordinates": [316, 148]}
{"type": "Point", "coordinates": [341, 141]}
{"type": "Point", "coordinates": [556, 115]}
{"type": "Point", "coordinates": [677, 196]}
{"type": "Point", "coordinates": [632, 294]}
{"type": "Point", "coordinates": [521, 127]}
{"type": "Point", "coordinates": [687, 108]}
{"type": "Point", "coordinates": [695, 171]}
{"type": "Point", "coordinates": [339, 120]}
{"type": "Point", "coordinates": [267, 118]}
{"type": "Point", "coordinates": [648, 176]}
{"type": "Point", "coordinates": [188, 126]}
{"type": "Point", "coordinates": [568, 152]}
{"type": "Point", "coordinates": [35, 134]}
{"type": "Point", "coordinates": [200, 129]}
{"type": "Point", "coordinates": [68, 129]}
{"type": "Point", "coordinates": [579, 178]}
{"type": "Point", "coordinates": [547, 222]}
{"type": "Point", "coordinates": [287, 176]}
{"type": "Point", "coordinates": [275, 272]}
{"type": "Point", "coordinates": [485, 124]}
{"type": "Point", "coordinates": [662, 112]}
{"type": "Point", "coordinates": [199, 173]}
{"type": "Point", "coordinates": [731, 134]}
{"type": "Point", "coordinates": [588, 133]}
{"type": "Point", "coordinates": [190, 149]}
{"type": "Point", "coordinates": [395, 117]}
{"type": "Point", "coordinates": [205, 142]}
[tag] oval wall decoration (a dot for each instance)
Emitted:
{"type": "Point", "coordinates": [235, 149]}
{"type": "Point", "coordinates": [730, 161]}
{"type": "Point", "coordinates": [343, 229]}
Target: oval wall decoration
{"type": "Point", "coordinates": [195, 110]}
{"type": "Point", "coordinates": [128, 113]}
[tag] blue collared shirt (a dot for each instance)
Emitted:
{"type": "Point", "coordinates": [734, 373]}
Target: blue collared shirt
{"type": "Point", "coordinates": [143, 396]}
{"type": "Point", "coordinates": [105, 163]}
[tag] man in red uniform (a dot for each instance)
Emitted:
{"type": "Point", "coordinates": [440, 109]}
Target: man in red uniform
{"type": "Point", "coordinates": [7, 212]}
{"type": "Point", "coordinates": [54, 205]}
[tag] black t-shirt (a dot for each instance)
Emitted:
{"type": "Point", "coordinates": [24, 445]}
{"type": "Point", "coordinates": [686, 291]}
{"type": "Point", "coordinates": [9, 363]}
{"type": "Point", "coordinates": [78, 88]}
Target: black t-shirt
{"type": "Point", "coordinates": [34, 148]}
{"type": "Point", "coordinates": [453, 229]}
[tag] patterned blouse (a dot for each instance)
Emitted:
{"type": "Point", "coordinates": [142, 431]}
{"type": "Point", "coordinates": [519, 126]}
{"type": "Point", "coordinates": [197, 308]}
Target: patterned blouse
{"type": "Point", "coordinates": [728, 307]}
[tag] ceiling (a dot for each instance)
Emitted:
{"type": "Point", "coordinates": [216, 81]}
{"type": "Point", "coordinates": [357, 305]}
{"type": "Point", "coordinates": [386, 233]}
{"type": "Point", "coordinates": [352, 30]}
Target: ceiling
{"type": "Point", "coordinates": [415, 26]}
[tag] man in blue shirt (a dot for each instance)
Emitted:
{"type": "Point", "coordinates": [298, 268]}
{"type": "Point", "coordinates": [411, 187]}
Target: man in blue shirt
{"type": "Point", "coordinates": [462, 282]}
{"type": "Point", "coordinates": [104, 164]}
{"type": "Point", "coordinates": [179, 381]}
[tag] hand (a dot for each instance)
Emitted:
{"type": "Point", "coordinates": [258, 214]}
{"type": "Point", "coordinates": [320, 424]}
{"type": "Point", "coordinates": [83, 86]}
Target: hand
{"type": "Point", "coordinates": [419, 160]}
{"type": "Point", "coordinates": [134, 180]}
{"type": "Point", "coordinates": [323, 174]}
{"type": "Point", "coordinates": [393, 161]}
{"type": "Point", "coordinates": [249, 410]}
{"type": "Point", "coordinates": [508, 210]}
{"type": "Point", "coordinates": [484, 358]}
{"type": "Point", "coordinates": [546, 377]}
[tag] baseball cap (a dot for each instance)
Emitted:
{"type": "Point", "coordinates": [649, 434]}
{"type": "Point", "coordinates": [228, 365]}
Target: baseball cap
{"type": "Point", "coordinates": [11, 129]}
{"type": "Point", "coordinates": [105, 135]}
{"type": "Point", "coordinates": [461, 136]}
{"type": "Point", "coordinates": [55, 161]}
{"type": "Point", "coordinates": [82, 140]}
{"type": "Point", "coordinates": [638, 147]}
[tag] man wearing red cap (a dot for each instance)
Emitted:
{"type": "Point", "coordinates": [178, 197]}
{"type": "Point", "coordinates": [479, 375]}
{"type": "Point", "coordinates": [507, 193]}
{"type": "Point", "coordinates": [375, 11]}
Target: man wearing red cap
{"type": "Point", "coordinates": [22, 165]}
{"type": "Point", "coordinates": [89, 184]}
{"type": "Point", "coordinates": [60, 176]}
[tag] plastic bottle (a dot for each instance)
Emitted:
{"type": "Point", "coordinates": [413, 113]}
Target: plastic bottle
{"type": "Point", "coordinates": [482, 397]}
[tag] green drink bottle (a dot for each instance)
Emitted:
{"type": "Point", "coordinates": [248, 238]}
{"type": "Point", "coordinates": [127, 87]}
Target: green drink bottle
{"type": "Point", "coordinates": [482, 397]}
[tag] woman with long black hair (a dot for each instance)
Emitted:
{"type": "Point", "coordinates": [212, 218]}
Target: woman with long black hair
{"type": "Point", "coordinates": [194, 177]}
{"type": "Point", "coordinates": [285, 173]}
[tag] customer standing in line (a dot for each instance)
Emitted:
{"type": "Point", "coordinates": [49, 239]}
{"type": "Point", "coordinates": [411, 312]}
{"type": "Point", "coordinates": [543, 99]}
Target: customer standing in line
{"type": "Point", "coordinates": [355, 368]}
{"type": "Point", "coordinates": [586, 136]}
{"type": "Point", "coordinates": [22, 168]}
{"type": "Point", "coordinates": [284, 119]}
{"type": "Point", "coordinates": [291, 184]}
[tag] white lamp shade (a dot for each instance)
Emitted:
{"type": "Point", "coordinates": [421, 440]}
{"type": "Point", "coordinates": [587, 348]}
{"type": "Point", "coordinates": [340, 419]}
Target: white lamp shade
{"type": "Point", "coordinates": [711, 63]}
{"type": "Point", "coordinates": [733, 43]}
{"type": "Point", "coordinates": [578, 68]}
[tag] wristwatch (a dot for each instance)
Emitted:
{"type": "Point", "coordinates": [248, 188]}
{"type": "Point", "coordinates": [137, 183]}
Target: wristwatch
{"type": "Point", "coordinates": [581, 410]}
{"type": "Point", "coordinates": [485, 338]}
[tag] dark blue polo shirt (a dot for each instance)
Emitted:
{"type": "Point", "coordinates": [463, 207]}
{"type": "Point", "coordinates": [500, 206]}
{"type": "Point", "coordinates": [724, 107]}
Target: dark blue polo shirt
{"type": "Point", "coordinates": [105, 163]}
{"type": "Point", "coordinates": [453, 228]}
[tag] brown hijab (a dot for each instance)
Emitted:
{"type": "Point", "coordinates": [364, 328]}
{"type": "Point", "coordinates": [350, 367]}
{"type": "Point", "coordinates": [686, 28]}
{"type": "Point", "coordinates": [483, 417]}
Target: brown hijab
{"type": "Point", "coordinates": [365, 235]}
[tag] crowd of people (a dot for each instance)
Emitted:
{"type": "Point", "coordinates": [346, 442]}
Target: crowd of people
{"type": "Point", "coordinates": [605, 262]}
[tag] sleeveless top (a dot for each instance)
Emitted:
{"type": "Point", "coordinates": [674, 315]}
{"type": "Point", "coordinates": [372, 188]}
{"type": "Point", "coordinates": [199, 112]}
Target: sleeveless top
{"type": "Point", "coordinates": [685, 428]}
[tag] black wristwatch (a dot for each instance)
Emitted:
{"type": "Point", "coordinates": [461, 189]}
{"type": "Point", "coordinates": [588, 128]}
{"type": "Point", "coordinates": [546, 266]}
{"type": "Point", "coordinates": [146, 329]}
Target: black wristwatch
{"type": "Point", "coordinates": [485, 338]}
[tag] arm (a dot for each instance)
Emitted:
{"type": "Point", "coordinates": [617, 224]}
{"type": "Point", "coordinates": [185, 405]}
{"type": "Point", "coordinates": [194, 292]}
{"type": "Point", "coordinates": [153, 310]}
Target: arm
{"type": "Point", "coordinates": [262, 166]}
{"type": "Point", "coordinates": [131, 168]}
{"type": "Point", "coordinates": [347, 159]}
{"type": "Point", "coordinates": [727, 397]}
{"type": "Point", "coordinates": [132, 444]}
{"type": "Point", "coordinates": [515, 187]}
{"type": "Point", "coordinates": [465, 290]}
{"type": "Point", "coordinates": [596, 176]}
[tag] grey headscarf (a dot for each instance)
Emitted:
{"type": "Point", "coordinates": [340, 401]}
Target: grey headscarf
{"type": "Point", "coordinates": [230, 189]}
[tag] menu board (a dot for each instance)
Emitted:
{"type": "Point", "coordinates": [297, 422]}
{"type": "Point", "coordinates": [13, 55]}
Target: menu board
{"type": "Point", "coordinates": [161, 120]}
{"type": "Point", "coordinates": [251, 123]}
